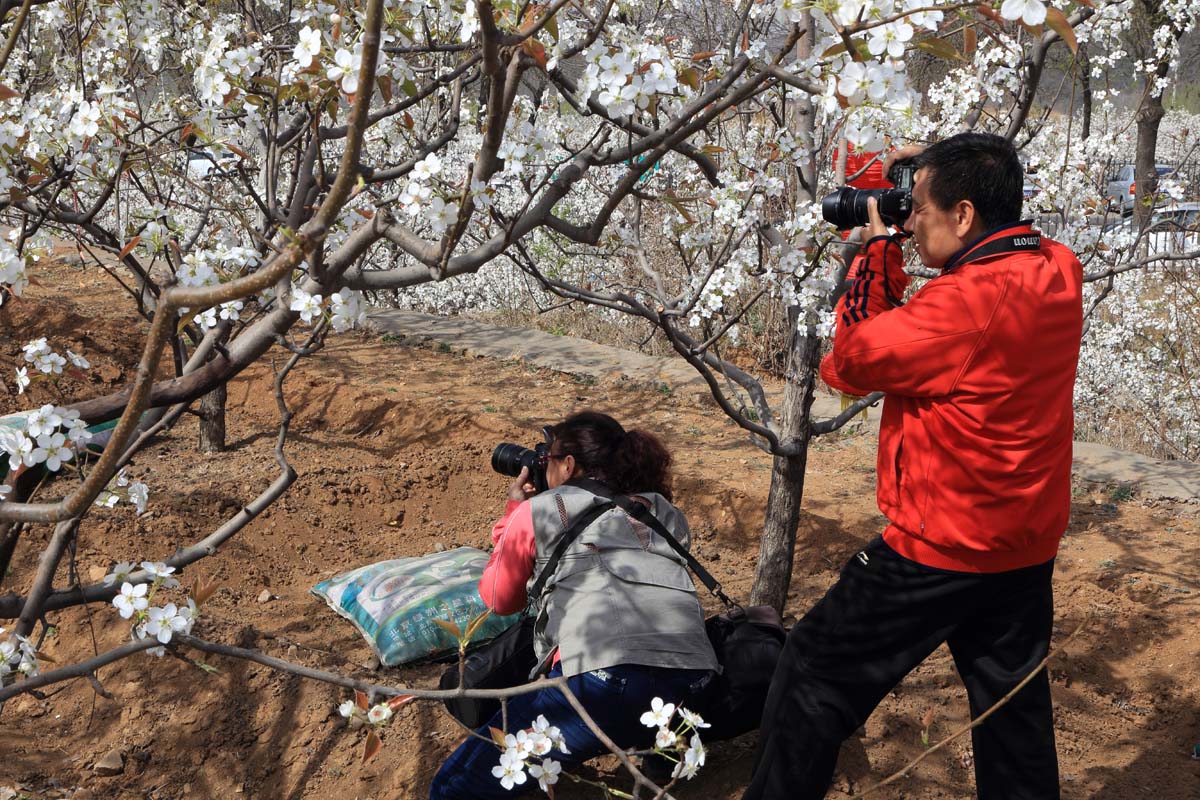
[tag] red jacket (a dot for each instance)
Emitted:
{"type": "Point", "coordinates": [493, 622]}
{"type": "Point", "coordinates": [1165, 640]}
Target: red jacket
{"type": "Point", "coordinates": [974, 467]}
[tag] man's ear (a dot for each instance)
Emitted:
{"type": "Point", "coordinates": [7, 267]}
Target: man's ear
{"type": "Point", "coordinates": [967, 224]}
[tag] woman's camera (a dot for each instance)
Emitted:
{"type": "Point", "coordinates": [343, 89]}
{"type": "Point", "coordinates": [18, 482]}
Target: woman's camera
{"type": "Point", "coordinates": [509, 458]}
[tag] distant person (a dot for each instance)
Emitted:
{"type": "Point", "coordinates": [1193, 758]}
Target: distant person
{"type": "Point", "coordinates": [974, 475]}
{"type": "Point", "coordinates": [620, 619]}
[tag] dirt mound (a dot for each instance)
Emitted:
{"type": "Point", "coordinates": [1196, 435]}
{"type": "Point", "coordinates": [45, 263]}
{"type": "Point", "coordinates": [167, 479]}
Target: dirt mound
{"type": "Point", "coordinates": [392, 443]}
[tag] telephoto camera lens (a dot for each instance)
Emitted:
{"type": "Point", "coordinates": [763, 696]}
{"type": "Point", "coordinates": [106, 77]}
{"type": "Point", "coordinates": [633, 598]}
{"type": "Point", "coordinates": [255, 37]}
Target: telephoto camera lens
{"type": "Point", "coordinates": [847, 207]}
{"type": "Point", "coordinates": [509, 458]}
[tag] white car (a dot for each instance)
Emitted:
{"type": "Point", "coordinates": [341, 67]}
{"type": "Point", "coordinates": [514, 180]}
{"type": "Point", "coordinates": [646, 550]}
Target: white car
{"type": "Point", "coordinates": [1171, 230]}
{"type": "Point", "coordinates": [1122, 189]}
{"type": "Point", "coordinates": [204, 162]}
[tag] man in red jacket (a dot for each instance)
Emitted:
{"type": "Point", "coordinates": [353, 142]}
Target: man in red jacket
{"type": "Point", "coordinates": [974, 473]}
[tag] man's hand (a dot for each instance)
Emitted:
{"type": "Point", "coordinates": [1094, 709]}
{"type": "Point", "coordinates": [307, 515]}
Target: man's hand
{"type": "Point", "coordinates": [875, 226]}
{"type": "Point", "coordinates": [521, 489]}
{"type": "Point", "coordinates": [903, 154]}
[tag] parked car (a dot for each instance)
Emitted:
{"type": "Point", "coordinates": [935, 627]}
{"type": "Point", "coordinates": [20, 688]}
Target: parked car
{"type": "Point", "coordinates": [206, 162]}
{"type": "Point", "coordinates": [1173, 229]}
{"type": "Point", "coordinates": [1122, 189]}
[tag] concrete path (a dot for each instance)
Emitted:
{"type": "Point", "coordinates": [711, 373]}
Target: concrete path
{"type": "Point", "coordinates": [1171, 480]}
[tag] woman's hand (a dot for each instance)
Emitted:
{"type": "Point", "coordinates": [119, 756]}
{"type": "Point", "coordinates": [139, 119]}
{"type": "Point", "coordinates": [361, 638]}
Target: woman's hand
{"type": "Point", "coordinates": [521, 489]}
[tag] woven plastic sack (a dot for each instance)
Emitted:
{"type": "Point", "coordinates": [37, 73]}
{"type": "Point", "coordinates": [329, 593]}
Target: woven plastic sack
{"type": "Point", "coordinates": [394, 603]}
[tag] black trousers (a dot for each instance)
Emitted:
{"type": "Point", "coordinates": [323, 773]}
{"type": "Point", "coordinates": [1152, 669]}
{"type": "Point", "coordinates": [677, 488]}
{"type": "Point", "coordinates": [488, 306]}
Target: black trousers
{"type": "Point", "coordinates": [882, 618]}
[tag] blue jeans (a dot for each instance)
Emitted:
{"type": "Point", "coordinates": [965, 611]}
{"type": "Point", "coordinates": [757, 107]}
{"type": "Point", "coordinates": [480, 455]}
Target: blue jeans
{"type": "Point", "coordinates": [615, 697]}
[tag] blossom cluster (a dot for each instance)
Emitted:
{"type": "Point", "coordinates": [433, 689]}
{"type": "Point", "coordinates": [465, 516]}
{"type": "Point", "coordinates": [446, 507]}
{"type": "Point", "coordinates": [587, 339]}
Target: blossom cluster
{"type": "Point", "coordinates": [51, 435]}
{"type": "Point", "coordinates": [17, 655]}
{"type": "Point", "coordinates": [377, 714]}
{"type": "Point", "coordinates": [625, 79]}
{"type": "Point", "coordinates": [122, 488]}
{"type": "Point", "coordinates": [45, 360]}
{"type": "Point", "coordinates": [346, 307]}
{"type": "Point", "coordinates": [134, 599]}
{"type": "Point", "coordinates": [418, 197]}
{"type": "Point", "coordinates": [673, 742]}
{"type": "Point", "coordinates": [13, 277]}
{"type": "Point", "coordinates": [530, 750]}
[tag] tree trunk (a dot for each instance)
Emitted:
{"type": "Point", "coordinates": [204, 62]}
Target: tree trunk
{"type": "Point", "coordinates": [212, 420]}
{"type": "Point", "coordinates": [1149, 116]}
{"type": "Point", "coordinates": [1085, 80]}
{"type": "Point", "coordinates": [773, 575]}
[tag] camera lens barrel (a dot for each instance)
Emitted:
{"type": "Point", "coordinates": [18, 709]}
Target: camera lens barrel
{"type": "Point", "coordinates": [509, 458]}
{"type": "Point", "coordinates": [847, 207]}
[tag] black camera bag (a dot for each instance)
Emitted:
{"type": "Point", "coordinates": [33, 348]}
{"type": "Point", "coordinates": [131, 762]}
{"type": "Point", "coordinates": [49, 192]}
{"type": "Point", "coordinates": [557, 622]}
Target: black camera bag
{"type": "Point", "coordinates": [747, 642]}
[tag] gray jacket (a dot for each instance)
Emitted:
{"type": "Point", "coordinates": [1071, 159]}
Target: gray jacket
{"type": "Point", "coordinates": [620, 594]}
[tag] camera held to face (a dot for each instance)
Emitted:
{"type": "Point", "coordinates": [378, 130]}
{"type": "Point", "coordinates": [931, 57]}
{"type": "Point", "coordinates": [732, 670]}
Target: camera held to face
{"type": "Point", "coordinates": [847, 207]}
{"type": "Point", "coordinates": [509, 458]}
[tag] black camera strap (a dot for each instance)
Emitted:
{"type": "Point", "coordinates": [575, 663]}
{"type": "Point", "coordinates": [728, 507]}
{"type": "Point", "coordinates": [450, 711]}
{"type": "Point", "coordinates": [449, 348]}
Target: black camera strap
{"type": "Point", "coordinates": [644, 516]}
{"type": "Point", "coordinates": [1017, 242]}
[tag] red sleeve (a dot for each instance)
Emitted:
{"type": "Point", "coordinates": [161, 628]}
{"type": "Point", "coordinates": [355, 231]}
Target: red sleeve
{"type": "Point", "coordinates": [915, 349]}
{"type": "Point", "coordinates": [511, 565]}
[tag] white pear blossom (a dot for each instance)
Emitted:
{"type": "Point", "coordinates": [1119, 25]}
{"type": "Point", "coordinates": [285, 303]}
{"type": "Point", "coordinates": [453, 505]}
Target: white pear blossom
{"type": "Point", "coordinates": [42, 421]}
{"type": "Point", "coordinates": [1031, 12]}
{"type": "Point", "coordinates": [78, 360]}
{"type": "Point", "coordinates": [510, 770]}
{"type": "Point", "coordinates": [163, 623]}
{"type": "Point", "coordinates": [52, 448]}
{"type": "Point", "coordinates": [692, 761]}
{"type": "Point", "coordinates": [139, 495]}
{"type": "Point", "coordinates": [660, 714]}
{"type": "Point", "coordinates": [159, 570]}
{"type": "Point", "coordinates": [379, 714]}
{"type": "Point", "coordinates": [344, 69]}
{"type": "Point", "coordinates": [665, 738]}
{"type": "Point", "coordinates": [22, 380]}
{"type": "Point", "coordinates": [546, 773]}
{"type": "Point", "coordinates": [131, 599]}
{"type": "Point", "coordinates": [441, 214]}
{"type": "Point", "coordinates": [542, 726]}
{"type": "Point", "coordinates": [119, 572]}
{"type": "Point", "coordinates": [426, 168]}
{"type": "Point", "coordinates": [308, 46]}
{"type": "Point", "coordinates": [520, 743]}
{"type": "Point", "coordinates": [309, 305]}
{"type": "Point", "coordinates": [347, 309]}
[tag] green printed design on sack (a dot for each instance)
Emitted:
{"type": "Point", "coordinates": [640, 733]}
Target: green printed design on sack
{"type": "Point", "coordinates": [394, 603]}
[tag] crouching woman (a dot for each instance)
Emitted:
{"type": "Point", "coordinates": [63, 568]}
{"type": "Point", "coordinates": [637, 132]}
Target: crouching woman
{"type": "Point", "coordinates": [619, 619]}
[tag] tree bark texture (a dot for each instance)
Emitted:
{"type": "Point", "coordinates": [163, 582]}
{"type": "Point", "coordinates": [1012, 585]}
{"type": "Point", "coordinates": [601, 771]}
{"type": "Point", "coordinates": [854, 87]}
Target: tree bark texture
{"type": "Point", "coordinates": [773, 574]}
{"type": "Point", "coordinates": [1149, 116]}
{"type": "Point", "coordinates": [212, 420]}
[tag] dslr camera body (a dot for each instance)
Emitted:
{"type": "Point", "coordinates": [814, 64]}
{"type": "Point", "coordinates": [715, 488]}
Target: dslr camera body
{"type": "Point", "coordinates": [847, 207]}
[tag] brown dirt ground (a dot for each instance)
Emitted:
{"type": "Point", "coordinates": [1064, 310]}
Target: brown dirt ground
{"type": "Point", "coordinates": [391, 441]}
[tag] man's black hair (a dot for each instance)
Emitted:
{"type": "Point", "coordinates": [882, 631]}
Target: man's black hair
{"type": "Point", "coordinates": [980, 167]}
